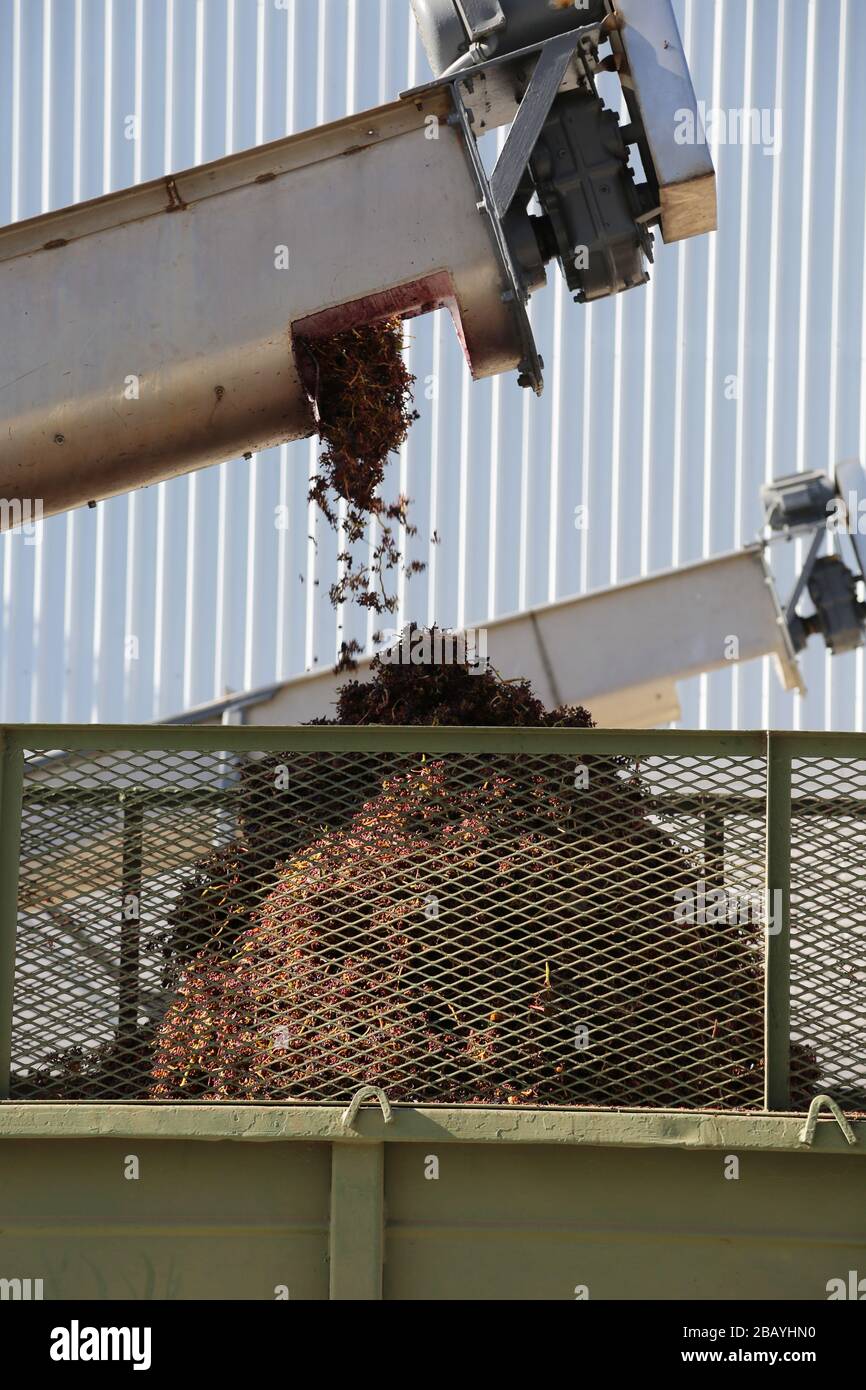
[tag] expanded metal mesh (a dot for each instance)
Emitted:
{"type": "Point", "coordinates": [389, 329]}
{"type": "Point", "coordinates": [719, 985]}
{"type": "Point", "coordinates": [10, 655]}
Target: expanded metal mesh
{"type": "Point", "coordinates": [828, 920]}
{"type": "Point", "coordinates": [457, 928]}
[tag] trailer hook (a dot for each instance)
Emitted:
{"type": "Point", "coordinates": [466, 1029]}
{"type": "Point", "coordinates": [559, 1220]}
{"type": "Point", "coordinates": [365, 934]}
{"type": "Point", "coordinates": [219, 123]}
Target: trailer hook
{"type": "Point", "coordinates": [807, 1133]}
{"type": "Point", "coordinates": [348, 1117]}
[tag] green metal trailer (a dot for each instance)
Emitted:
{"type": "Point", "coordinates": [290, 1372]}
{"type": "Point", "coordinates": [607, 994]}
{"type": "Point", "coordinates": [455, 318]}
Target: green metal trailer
{"type": "Point", "coordinates": [646, 1081]}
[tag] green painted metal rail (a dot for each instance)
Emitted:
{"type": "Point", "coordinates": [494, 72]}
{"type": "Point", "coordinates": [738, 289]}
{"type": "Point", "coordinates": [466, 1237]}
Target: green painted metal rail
{"type": "Point", "coordinates": [254, 1124]}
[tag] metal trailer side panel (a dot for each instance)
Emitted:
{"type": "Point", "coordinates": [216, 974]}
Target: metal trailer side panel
{"type": "Point", "coordinates": [548, 1223]}
{"type": "Point", "coordinates": [202, 1221]}
{"type": "Point", "coordinates": [502, 1219]}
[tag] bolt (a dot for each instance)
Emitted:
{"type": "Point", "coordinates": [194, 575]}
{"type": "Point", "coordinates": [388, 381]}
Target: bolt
{"type": "Point", "coordinates": [59, 438]}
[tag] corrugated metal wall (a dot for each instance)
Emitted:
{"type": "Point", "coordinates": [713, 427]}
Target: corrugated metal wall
{"type": "Point", "coordinates": [640, 423]}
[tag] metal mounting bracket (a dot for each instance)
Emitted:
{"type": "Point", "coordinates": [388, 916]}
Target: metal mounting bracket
{"type": "Point", "coordinates": [481, 17]}
{"type": "Point", "coordinates": [807, 1133]}
{"type": "Point", "coordinates": [531, 365]}
{"type": "Point", "coordinates": [814, 551]}
{"type": "Point", "coordinates": [350, 1115]}
{"type": "Point", "coordinates": [528, 124]}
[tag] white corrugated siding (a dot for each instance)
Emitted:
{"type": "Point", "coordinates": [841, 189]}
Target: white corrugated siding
{"type": "Point", "coordinates": [635, 423]}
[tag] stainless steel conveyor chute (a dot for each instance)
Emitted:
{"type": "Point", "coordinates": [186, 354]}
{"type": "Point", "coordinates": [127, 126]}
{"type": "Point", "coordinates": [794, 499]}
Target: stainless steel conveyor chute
{"type": "Point", "coordinates": [153, 331]}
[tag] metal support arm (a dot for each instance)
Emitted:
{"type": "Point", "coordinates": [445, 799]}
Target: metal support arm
{"type": "Point", "coordinates": [529, 122]}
